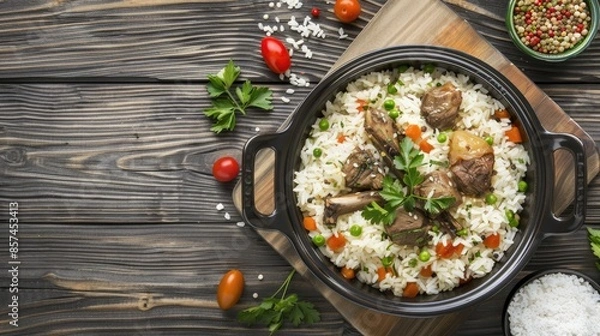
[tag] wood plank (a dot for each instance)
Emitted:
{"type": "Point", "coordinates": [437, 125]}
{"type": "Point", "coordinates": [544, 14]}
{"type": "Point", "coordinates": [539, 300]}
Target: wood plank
{"type": "Point", "coordinates": [167, 40]}
{"type": "Point", "coordinates": [94, 279]}
{"type": "Point", "coordinates": [73, 153]}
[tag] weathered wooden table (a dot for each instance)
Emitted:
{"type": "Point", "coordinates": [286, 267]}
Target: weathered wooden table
{"type": "Point", "coordinates": [106, 154]}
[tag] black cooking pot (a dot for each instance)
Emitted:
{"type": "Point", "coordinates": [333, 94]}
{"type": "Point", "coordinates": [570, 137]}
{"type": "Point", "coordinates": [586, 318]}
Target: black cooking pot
{"type": "Point", "coordinates": [537, 218]}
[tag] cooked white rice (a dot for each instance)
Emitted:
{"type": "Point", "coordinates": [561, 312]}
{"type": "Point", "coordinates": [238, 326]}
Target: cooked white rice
{"type": "Point", "coordinates": [320, 177]}
{"type": "Point", "coordinates": [555, 304]}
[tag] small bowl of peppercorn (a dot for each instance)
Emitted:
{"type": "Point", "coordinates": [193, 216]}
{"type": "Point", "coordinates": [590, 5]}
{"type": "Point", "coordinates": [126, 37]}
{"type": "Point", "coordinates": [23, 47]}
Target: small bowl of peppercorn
{"type": "Point", "coordinates": [552, 30]}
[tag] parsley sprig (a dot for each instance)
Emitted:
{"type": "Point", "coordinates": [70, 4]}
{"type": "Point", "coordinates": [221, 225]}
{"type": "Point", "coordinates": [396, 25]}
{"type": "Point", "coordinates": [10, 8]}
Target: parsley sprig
{"type": "Point", "coordinates": [274, 310]}
{"type": "Point", "coordinates": [594, 236]}
{"type": "Point", "coordinates": [225, 104]}
{"type": "Point", "coordinates": [397, 193]}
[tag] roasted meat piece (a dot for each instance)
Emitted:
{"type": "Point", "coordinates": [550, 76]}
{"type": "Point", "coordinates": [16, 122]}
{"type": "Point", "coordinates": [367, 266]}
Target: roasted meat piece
{"type": "Point", "coordinates": [409, 228]}
{"type": "Point", "coordinates": [384, 134]}
{"type": "Point", "coordinates": [440, 105]}
{"type": "Point", "coordinates": [362, 171]}
{"type": "Point", "coordinates": [438, 184]}
{"type": "Point", "coordinates": [474, 177]}
{"type": "Point", "coordinates": [471, 163]}
{"type": "Point", "coordinates": [340, 205]}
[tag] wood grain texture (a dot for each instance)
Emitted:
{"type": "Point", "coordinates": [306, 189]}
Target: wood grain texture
{"type": "Point", "coordinates": [144, 40]}
{"type": "Point", "coordinates": [104, 145]}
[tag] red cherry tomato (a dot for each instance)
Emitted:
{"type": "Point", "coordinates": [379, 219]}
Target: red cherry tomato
{"type": "Point", "coordinates": [230, 289]}
{"type": "Point", "coordinates": [275, 54]}
{"type": "Point", "coordinates": [346, 10]}
{"type": "Point", "coordinates": [225, 169]}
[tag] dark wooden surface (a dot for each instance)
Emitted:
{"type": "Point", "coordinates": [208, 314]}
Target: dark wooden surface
{"type": "Point", "coordinates": [104, 146]}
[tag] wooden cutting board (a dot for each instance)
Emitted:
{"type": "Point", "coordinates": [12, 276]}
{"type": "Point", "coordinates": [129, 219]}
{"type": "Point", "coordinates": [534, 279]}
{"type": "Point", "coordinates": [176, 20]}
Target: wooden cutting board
{"type": "Point", "coordinates": [426, 22]}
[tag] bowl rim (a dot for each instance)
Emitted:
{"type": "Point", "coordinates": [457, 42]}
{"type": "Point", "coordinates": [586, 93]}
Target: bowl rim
{"type": "Point", "coordinates": [594, 9]}
{"type": "Point", "coordinates": [537, 275]}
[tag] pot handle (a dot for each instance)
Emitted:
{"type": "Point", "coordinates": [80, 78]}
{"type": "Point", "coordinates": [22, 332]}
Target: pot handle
{"type": "Point", "coordinates": [566, 224]}
{"type": "Point", "coordinates": [277, 219]}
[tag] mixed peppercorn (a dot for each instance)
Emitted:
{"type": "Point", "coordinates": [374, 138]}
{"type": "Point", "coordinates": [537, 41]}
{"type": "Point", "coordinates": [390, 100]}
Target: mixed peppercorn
{"type": "Point", "coordinates": [551, 26]}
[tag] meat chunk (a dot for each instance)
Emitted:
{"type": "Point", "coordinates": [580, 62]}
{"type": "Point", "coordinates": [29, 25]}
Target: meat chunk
{"type": "Point", "coordinates": [440, 105]}
{"type": "Point", "coordinates": [409, 228]}
{"type": "Point", "coordinates": [449, 224]}
{"type": "Point", "coordinates": [474, 177]}
{"type": "Point", "coordinates": [438, 184]}
{"type": "Point", "coordinates": [340, 205]}
{"type": "Point", "coordinates": [384, 134]}
{"type": "Point", "coordinates": [362, 171]}
{"type": "Point", "coordinates": [471, 163]}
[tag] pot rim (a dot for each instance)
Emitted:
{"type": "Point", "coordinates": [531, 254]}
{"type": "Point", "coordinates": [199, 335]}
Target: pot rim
{"type": "Point", "coordinates": [292, 137]}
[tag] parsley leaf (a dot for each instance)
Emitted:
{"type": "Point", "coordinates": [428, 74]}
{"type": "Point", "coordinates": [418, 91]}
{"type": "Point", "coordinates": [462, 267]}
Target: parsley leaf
{"type": "Point", "coordinates": [393, 192]}
{"type": "Point", "coordinates": [397, 194]}
{"type": "Point", "coordinates": [436, 205]}
{"type": "Point", "coordinates": [409, 157]}
{"type": "Point", "coordinates": [376, 214]}
{"type": "Point", "coordinates": [594, 237]}
{"type": "Point", "coordinates": [225, 104]}
{"type": "Point", "coordinates": [274, 311]}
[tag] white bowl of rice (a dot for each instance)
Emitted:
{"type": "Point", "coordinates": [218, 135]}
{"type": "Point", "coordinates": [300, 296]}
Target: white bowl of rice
{"type": "Point", "coordinates": [462, 268]}
{"type": "Point", "coordinates": [553, 302]}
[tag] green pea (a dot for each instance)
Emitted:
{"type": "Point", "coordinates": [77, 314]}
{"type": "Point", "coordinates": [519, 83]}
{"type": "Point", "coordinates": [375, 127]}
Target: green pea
{"type": "Point", "coordinates": [403, 68]}
{"type": "Point", "coordinates": [462, 232]}
{"type": "Point", "coordinates": [389, 104]}
{"type": "Point", "coordinates": [491, 199]}
{"type": "Point", "coordinates": [356, 230]}
{"type": "Point", "coordinates": [317, 152]}
{"type": "Point", "coordinates": [318, 240]}
{"type": "Point", "coordinates": [394, 113]}
{"type": "Point", "coordinates": [391, 89]}
{"type": "Point", "coordinates": [435, 229]}
{"type": "Point", "coordinates": [424, 255]}
{"type": "Point", "coordinates": [413, 262]}
{"type": "Point", "coordinates": [429, 68]}
{"type": "Point", "coordinates": [489, 140]}
{"type": "Point", "coordinates": [442, 137]}
{"type": "Point", "coordinates": [324, 124]}
{"type": "Point", "coordinates": [510, 215]}
{"type": "Point", "coordinates": [522, 186]}
{"type": "Point", "coordinates": [387, 261]}
{"type": "Point", "coordinates": [512, 220]}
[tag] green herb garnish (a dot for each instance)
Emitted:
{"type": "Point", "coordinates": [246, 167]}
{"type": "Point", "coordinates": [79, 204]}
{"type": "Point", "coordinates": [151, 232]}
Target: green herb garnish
{"type": "Point", "coordinates": [397, 193]}
{"type": "Point", "coordinates": [274, 311]}
{"type": "Point", "coordinates": [225, 104]}
{"type": "Point", "coordinates": [594, 236]}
